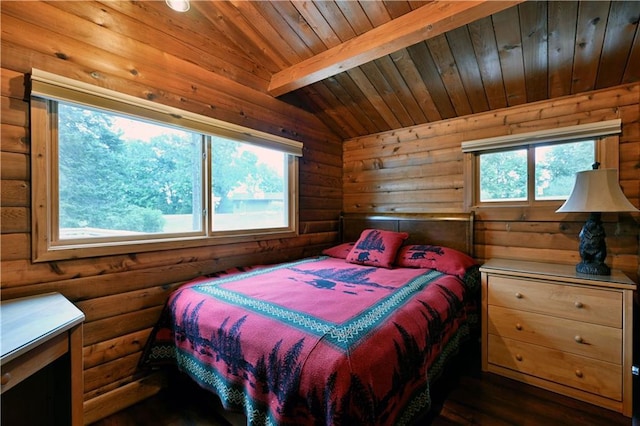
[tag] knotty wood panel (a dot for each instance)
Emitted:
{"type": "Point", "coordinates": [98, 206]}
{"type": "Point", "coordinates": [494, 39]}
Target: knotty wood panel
{"type": "Point", "coordinates": [420, 169]}
{"type": "Point", "coordinates": [115, 348]}
{"type": "Point", "coordinates": [14, 193]}
{"type": "Point", "coordinates": [561, 47]}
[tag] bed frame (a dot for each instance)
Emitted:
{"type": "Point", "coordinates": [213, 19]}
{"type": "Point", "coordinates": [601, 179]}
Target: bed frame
{"type": "Point", "coordinates": [454, 230]}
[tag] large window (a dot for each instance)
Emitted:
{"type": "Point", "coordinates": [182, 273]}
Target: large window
{"type": "Point", "coordinates": [112, 174]}
{"type": "Point", "coordinates": [537, 168]}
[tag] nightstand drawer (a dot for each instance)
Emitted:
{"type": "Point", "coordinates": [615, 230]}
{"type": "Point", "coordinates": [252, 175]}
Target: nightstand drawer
{"type": "Point", "coordinates": [596, 306]}
{"type": "Point", "coordinates": [590, 375]}
{"type": "Point", "coordinates": [591, 340]}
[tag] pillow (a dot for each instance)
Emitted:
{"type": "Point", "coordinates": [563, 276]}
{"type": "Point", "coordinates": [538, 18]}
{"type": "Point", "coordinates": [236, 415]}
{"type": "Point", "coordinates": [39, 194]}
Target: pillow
{"type": "Point", "coordinates": [377, 247]}
{"type": "Point", "coordinates": [443, 259]}
{"type": "Point", "coordinates": [341, 251]}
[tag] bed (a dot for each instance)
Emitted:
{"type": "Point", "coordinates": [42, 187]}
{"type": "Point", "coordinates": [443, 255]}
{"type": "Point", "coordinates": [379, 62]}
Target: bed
{"type": "Point", "coordinates": [355, 335]}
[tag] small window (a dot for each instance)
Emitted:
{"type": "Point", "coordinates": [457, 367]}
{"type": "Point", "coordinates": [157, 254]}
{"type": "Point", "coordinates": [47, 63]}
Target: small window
{"type": "Point", "coordinates": [505, 175]}
{"type": "Point", "coordinates": [535, 169]}
{"type": "Point", "coordinates": [115, 174]}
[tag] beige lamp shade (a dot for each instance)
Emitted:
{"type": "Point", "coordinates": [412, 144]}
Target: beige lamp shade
{"type": "Point", "coordinates": [597, 191]}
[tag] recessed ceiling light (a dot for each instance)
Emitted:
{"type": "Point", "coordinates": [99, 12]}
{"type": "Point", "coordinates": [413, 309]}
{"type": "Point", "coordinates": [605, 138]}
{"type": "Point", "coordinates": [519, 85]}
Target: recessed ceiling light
{"type": "Point", "coordinates": [178, 5]}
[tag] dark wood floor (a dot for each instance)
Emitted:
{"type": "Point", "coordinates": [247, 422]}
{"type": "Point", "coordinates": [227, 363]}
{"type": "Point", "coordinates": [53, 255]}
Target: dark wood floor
{"type": "Point", "coordinates": [473, 398]}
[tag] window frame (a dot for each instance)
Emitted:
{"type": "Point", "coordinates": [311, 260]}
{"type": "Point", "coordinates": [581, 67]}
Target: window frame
{"type": "Point", "coordinates": [531, 179]}
{"type": "Point", "coordinates": [605, 135]}
{"type": "Point", "coordinates": [49, 89]}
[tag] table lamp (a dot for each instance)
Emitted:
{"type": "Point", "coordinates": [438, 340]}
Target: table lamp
{"type": "Point", "coordinates": [595, 191]}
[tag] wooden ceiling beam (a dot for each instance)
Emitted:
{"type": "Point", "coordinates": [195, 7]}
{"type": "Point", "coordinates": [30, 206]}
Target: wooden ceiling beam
{"type": "Point", "coordinates": [421, 24]}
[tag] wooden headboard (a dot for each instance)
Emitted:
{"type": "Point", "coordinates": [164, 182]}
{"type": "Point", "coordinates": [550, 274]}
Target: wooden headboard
{"type": "Point", "coordinates": [453, 230]}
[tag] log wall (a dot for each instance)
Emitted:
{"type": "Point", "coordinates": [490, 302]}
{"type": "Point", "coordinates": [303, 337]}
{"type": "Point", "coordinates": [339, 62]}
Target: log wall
{"type": "Point", "coordinates": [416, 169]}
{"type": "Point", "coordinates": [122, 296]}
{"type": "Point", "coordinates": [421, 169]}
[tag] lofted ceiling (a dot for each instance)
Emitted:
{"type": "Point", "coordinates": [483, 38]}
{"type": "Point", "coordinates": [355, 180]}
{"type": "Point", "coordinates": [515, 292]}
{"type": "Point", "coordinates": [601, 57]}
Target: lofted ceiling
{"type": "Point", "coordinates": [370, 66]}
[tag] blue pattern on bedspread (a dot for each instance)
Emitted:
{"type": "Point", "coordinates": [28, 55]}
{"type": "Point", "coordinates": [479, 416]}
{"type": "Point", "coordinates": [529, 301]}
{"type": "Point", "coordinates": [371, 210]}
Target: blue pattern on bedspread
{"type": "Point", "coordinates": [318, 341]}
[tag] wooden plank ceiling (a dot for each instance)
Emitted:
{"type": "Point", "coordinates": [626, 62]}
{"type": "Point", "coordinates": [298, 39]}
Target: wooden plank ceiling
{"type": "Point", "coordinates": [370, 66]}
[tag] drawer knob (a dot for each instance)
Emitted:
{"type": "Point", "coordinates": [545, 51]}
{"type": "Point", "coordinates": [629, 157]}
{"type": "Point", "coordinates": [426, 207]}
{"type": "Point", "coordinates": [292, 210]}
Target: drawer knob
{"type": "Point", "coordinates": [578, 305]}
{"type": "Point", "coordinates": [6, 377]}
{"type": "Point", "coordinates": [518, 296]}
{"type": "Point", "coordinates": [578, 339]}
{"type": "Point", "coordinates": [519, 357]}
{"type": "Point", "coordinates": [579, 373]}
{"type": "Point", "coordinates": [518, 326]}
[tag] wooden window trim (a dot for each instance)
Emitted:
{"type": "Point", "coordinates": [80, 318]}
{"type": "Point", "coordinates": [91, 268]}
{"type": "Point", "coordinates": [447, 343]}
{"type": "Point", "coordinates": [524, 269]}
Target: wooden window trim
{"type": "Point", "coordinates": [52, 86]}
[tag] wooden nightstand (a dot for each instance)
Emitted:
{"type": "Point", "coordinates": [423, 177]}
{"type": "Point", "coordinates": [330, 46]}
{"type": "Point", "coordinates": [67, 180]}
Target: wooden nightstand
{"type": "Point", "coordinates": [546, 325]}
{"type": "Point", "coordinates": [42, 380]}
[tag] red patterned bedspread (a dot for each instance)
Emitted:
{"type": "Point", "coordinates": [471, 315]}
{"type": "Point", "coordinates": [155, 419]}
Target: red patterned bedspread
{"type": "Point", "coordinates": [317, 341]}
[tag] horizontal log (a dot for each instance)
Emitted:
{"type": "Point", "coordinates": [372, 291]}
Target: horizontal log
{"type": "Point", "coordinates": [521, 213]}
{"type": "Point", "coordinates": [410, 183]}
{"type": "Point", "coordinates": [15, 246]}
{"type": "Point", "coordinates": [109, 372]}
{"type": "Point", "coordinates": [417, 207]}
{"type": "Point", "coordinates": [15, 166]}
{"type": "Point", "coordinates": [322, 191]}
{"type": "Point", "coordinates": [449, 195]}
{"type": "Point", "coordinates": [14, 139]}
{"type": "Point", "coordinates": [14, 220]}
{"type": "Point", "coordinates": [121, 303]}
{"type": "Point", "coordinates": [320, 202]}
{"type": "Point", "coordinates": [325, 226]}
{"type": "Point", "coordinates": [317, 215]}
{"type": "Point", "coordinates": [15, 112]}
{"type": "Point", "coordinates": [421, 141]}
{"type": "Point", "coordinates": [401, 158]}
{"type": "Point", "coordinates": [426, 171]}
{"type": "Point", "coordinates": [329, 154]}
{"type": "Point", "coordinates": [625, 263]}
{"type": "Point", "coordinates": [86, 288]}
{"type": "Point", "coordinates": [122, 397]}
{"type": "Point", "coordinates": [524, 253]}
{"type": "Point", "coordinates": [631, 117]}
{"type": "Point", "coordinates": [559, 241]}
{"type": "Point", "coordinates": [15, 193]}
{"type": "Point", "coordinates": [109, 350]}
{"type": "Point", "coordinates": [528, 226]}
{"type": "Point", "coordinates": [95, 393]}
{"type": "Point", "coordinates": [110, 328]}
{"type": "Point", "coordinates": [321, 180]}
